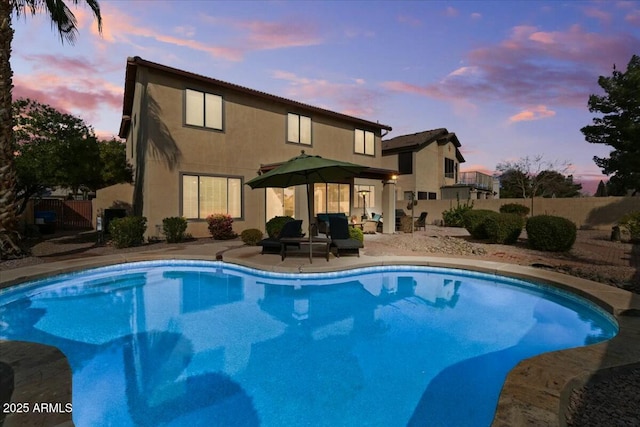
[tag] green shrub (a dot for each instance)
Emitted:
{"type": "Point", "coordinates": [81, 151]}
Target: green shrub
{"type": "Point", "coordinates": [515, 208]}
{"type": "Point", "coordinates": [473, 220]}
{"type": "Point", "coordinates": [275, 224]}
{"type": "Point", "coordinates": [503, 228]}
{"type": "Point", "coordinates": [454, 217]}
{"type": "Point", "coordinates": [631, 222]}
{"type": "Point", "coordinates": [128, 231]}
{"type": "Point", "coordinates": [551, 233]}
{"type": "Point", "coordinates": [221, 227]}
{"type": "Point", "coordinates": [251, 236]}
{"type": "Point", "coordinates": [174, 228]}
{"type": "Point", "coordinates": [356, 233]}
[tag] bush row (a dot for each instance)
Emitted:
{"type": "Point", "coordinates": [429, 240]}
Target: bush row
{"type": "Point", "coordinates": [544, 232]}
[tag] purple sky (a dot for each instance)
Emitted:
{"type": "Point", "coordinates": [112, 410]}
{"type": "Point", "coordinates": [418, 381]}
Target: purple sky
{"type": "Point", "coordinates": [511, 79]}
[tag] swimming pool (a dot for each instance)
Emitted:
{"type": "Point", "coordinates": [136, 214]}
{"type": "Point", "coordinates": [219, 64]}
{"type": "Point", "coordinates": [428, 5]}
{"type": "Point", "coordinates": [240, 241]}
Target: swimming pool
{"type": "Point", "coordinates": [188, 343]}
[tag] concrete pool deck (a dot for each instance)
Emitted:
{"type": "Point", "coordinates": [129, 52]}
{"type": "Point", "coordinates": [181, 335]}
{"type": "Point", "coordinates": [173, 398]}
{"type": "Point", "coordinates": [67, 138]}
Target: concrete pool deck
{"type": "Point", "coordinates": [535, 392]}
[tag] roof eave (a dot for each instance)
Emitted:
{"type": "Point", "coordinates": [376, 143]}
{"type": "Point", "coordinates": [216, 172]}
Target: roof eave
{"type": "Point", "coordinates": [133, 63]}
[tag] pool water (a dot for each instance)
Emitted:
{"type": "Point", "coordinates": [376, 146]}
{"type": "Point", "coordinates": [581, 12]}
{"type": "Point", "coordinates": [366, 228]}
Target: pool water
{"type": "Point", "coordinates": [189, 343]}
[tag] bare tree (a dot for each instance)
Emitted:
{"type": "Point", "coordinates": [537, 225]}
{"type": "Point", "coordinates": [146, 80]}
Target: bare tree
{"type": "Point", "coordinates": [528, 175]}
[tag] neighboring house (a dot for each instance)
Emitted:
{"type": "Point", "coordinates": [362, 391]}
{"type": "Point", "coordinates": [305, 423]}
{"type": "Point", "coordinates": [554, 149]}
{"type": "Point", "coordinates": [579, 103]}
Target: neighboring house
{"type": "Point", "coordinates": [194, 141]}
{"type": "Point", "coordinates": [426, 161]}
{"type": "Point", "coordinates": [428, 164]}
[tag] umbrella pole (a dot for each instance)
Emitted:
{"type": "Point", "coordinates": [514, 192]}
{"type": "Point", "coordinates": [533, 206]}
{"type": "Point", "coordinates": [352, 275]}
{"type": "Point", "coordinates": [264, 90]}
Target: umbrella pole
{"type": "Point", "coordinates": [310, 234]}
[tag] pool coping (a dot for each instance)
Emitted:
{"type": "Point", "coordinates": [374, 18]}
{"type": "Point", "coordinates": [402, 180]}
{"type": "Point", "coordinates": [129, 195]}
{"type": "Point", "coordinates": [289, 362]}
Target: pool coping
{"type": "Point", "coordinates": [535, 392]}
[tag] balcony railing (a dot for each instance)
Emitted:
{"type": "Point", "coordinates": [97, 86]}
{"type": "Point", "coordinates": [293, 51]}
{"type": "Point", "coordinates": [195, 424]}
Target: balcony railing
{"type": "Point", "coordinates": [476, 179]}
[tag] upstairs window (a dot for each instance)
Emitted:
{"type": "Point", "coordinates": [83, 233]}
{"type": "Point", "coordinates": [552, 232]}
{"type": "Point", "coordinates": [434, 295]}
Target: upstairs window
{"type": "Point", "coordinates": [405, 163]}
{"type": "Point", "coordinates": [364, 142]}
{"type": "Point", "coordinates": [203, 109]}
{"type": "Point", "coordinates": [298, 129]}
{"type": "Point", "coordinates": [449, 168]}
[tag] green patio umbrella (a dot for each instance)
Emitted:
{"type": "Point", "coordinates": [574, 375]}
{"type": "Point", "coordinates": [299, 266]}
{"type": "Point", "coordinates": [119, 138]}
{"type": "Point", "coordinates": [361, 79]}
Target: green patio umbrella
{"type": "Point", "coordinates": [306, 170]}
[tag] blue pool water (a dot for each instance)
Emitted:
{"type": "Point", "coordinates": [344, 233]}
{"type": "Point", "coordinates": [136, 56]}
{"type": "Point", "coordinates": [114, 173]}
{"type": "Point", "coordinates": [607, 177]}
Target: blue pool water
{"type": "Point", "coordinates": [186, 343]}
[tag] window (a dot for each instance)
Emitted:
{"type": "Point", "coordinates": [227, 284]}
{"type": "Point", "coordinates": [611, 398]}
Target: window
{"type": "Point", "coordinates": [424, 195]}
{"type": "Point", "coordinates": [369, 196]}
{"type": "Point", "coordinates": [364, 142]}
{"type": "Point", "coordinates": [203, 109]}
{"type": "Point", "coordinates": [298, 129]}
{"type": "Point", "coordinates": [331, 198]}
{"type": "Point", "coordinates": [449, 168]}
{"type": "Point", "coordinates": [405, 163]}
{"type": "Point", "coordinates": [206, 195]}
{"type": "Point", "coordinates": [280, 202]}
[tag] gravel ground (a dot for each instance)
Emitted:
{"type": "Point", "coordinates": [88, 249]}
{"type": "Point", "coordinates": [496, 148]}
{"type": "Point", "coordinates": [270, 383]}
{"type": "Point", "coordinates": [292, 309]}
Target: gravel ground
{"type": "Point", "coordinates": [609, 400]}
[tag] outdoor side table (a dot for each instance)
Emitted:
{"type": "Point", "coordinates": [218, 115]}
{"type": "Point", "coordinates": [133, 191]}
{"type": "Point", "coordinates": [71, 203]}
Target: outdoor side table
{"type": "Point", "coordinates": [291, 241]}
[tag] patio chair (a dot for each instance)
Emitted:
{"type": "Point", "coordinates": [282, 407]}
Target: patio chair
{"type": "Point", "coordinates": [373, 225]}
{"type": "Point", "coordinates": [272, 245]}
{"type": "Point", "coordinates": [421, 221]}
{"type": "Point", "coordinates": [399, 214]}
{"type": "Point", "coordinates": [340, 237]}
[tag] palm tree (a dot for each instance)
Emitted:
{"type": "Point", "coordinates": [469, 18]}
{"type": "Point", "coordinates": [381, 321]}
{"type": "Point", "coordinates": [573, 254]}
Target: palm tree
{"type": "Point", "coordinates": [65, 23]}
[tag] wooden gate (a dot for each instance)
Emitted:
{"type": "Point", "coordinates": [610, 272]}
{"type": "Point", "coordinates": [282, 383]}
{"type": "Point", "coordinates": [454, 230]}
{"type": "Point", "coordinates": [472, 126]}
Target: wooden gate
{"type": "Point", "coordinates": [70, 214]}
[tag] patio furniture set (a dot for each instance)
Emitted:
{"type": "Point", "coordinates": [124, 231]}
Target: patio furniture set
{"type": "Point", "coordinates": [336, 238]}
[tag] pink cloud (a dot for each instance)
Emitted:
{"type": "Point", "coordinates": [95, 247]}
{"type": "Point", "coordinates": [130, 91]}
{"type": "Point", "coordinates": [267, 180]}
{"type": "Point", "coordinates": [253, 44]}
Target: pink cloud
{"type": "Point", "coordinates": [352, 98]}
{"type": "Point", "coordinates": [633, 17]}
{"type": "Point", "coordinates": [600, 15]}
{"type": "Point", "coordinates": [119, 27]}
{"type": "Point", "coordinates": [531, 67]}
{"type": "Point", "coordinates": [409, 20]}
{"type": "Point", "coordinates": [476, 168]}
{"type": "Point", "coordinates": [79, 95]}
{"type": "Point", "coordinates": [65, 64]}
{"type": "Point", "coordinates": [534, 113]}
{"type": "Point", "coordinates": [590, 186]}
{"type": "Point", "coordinates": [276, 35]}
{"type": "Point", "coordinates": [451, 11]}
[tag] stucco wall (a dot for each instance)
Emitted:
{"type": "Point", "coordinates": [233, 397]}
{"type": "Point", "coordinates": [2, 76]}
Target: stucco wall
{"type": "Point", "coordinates": [595, 212]}
{"type": "Point", "coordinates": [254, 134]}
{"type": "Point", "coordinates": [428, 169]}
{"type": "Point", "coordinates": [116, 196]}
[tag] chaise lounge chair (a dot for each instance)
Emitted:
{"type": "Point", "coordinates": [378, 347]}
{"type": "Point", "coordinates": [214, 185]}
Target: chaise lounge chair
{"type": "Point", "coordinates": [272, 245]}
{"type": "Point", "coordinates": [340, 238]}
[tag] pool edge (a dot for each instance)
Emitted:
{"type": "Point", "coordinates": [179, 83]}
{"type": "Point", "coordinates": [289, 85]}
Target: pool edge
{"type": "Point", "coordinates": [535, 392]}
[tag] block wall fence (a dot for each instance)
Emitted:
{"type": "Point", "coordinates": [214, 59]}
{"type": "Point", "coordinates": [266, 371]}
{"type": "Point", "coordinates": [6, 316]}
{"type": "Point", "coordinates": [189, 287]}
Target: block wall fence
{"type": "Point", "coordinates": [588, 212]}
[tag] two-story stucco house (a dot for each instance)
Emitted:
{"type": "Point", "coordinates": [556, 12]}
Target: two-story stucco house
{"type": "Point", "coordinates": [428, 164]}
{"type": "Point", "coordinates": [427, 161]}
{"type": "Point", "coordinates": [194, 141]}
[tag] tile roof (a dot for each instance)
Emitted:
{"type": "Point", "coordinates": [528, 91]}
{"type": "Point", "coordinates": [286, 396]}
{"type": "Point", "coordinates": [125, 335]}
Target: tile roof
{"type": "Point", "coordinates": [417, 141]}
{"type": "Point", "coordinates": [414, 141]}
{"type": "Point", "coordinates": [130, 79]}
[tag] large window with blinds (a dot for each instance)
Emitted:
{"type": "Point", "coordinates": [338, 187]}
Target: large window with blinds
{"type": "Point", "coordinates": [331, 198]}
{"type": "Point", "coordinates": [203, 195]}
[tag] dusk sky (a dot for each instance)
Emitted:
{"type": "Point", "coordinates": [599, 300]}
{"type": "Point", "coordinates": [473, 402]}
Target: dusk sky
{"type": "Point", "coordinates": [511, 79]}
